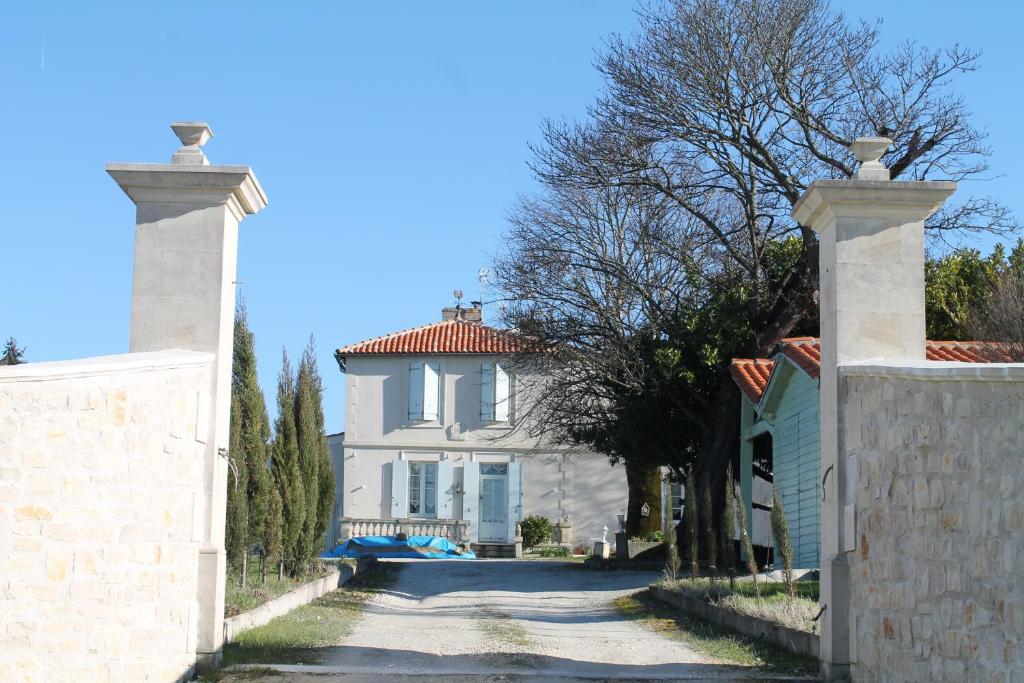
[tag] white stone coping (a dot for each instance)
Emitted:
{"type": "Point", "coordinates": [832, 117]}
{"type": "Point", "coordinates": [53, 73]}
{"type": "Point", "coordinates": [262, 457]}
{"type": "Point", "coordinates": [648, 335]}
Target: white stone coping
{"type": "Point", "coordinates": [935, 370]}
{"type": "Point", "coordinates": [104, 365]}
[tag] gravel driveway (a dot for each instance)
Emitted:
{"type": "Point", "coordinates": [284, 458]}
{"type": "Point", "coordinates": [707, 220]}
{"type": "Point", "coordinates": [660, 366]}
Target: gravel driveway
{"type": "Point", "coordinates": [509, 620]}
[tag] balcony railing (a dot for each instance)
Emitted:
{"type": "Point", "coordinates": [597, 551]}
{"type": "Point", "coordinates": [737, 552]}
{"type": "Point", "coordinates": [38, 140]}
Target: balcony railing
{"type": "Point", "coordinates": [455, 530]}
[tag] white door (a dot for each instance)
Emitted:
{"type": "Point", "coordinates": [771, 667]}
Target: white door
{"type": "Point", "coordinates": [493, 502]}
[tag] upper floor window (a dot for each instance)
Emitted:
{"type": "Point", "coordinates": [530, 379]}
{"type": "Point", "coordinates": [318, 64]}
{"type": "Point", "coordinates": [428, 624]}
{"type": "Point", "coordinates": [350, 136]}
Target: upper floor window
{"type": "Point", "coordinates": [424, 391]}
{"type": "Point", "coordinates": [422, 489]}
{"type": "Point", "coordinates": [494, 393]}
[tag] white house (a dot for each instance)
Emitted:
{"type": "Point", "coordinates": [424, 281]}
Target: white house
{"type": "Point", "coordinates": [430, 444]}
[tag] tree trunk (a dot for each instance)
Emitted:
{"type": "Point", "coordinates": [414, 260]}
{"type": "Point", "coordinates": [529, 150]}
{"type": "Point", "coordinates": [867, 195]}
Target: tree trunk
{"type": "Point", "coordinates": [644, 487]}
{"type": "Point", "coordinates": [245, 566]}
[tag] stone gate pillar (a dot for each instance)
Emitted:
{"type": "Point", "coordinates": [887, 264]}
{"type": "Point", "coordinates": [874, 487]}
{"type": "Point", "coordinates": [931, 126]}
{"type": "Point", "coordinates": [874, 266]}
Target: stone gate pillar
{"type": "Point", "coordinates": [871, 233]}
{"type": "Point", "coordinates": [183, 297]}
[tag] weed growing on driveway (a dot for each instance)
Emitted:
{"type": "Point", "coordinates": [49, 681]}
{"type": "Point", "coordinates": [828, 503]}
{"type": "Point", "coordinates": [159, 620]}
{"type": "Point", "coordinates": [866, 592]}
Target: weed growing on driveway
{"type": "Point", "coordinates": [721, 644]}
{"type": "Point", "coordinates": [293, 638]}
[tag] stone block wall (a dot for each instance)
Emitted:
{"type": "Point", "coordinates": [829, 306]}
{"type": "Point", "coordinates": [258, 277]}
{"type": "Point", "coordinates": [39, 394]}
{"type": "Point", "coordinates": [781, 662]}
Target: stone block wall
{"type": "Point", "coordinates": [101, 504]}
{"type": "Point", "coordinates": [937, 576]}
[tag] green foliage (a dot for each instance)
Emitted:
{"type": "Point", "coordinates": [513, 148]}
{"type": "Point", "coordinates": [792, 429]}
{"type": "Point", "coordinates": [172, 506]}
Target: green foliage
{"type": "Point", "coordinates": [13, 355]}
{"type": "Point", "coordinates": [536, 530]}
{"type": "Point", "coordinates": [655, 537]}
{"type": "Point", "coordinates": [286, 468]}
{"type": "Point", "coordinates": [554, 551]}
{"type": "Point", "coordinates": [310, 444]}
{"type": "Point", "coordinates": [237, 513]}
{"type": "Point", "coordinates": [274, 541]}
{"type": "Point", "coordinates": [250, 432]}
{"type": "Point", "coordinates": [728, 525]}
{"type": "Point", "coordinates": [780, 530]}
{"type": "Point", "coordinates": [748, 547]}
{"type": "Point", "coordinates": [690, 524]}
{"type": "Point", "coordinates": [708, 527]}
{"type": "Point", "coordinates": [956, 285]}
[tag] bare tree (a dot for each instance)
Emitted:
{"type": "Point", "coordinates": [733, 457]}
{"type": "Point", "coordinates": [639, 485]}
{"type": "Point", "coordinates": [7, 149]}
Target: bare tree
{"type": "Point", "coordinates": [594, 276]}
{"type": "Point", "coordinates": [729, 109]}
{"type": "Point", "coordinates": [1002, 317]}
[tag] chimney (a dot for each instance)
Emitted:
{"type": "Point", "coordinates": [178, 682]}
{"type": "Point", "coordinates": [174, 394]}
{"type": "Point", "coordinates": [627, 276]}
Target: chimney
{"type": "Point", "coordinates": [474, 314]}
{"type": "Point", "coordinates": [871, 262]}
{"type": "Point", "coordinates": [183, 296]}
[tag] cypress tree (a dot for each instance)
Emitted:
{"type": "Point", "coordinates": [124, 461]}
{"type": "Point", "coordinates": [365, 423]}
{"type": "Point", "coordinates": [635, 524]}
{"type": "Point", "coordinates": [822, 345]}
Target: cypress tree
{"type": "Point", "coordinates": [237, 515]}
{"type": "Point", "coordinates": [287, 474]}
{"type": "Point", "coordinates": [253, 430]}
{"type": "Point", "coordinates": [780, 529]}
{"type": "Point", "coordinates": [325, 493]}
{"type": "Point", "coordinates": [748, 547]}
{"type": "Point", "coordinates": [708, 527]}
{"type": "Point", "coordinates": [273, 542]}
{"type": "Point", "coordinates": [13, 355]}
{"type": "Point", "coordinates": [690, 524]}
{"type": "Point", "coordinates": [308, 436]}
{"type": "Point", "coordinates": [729, 528]}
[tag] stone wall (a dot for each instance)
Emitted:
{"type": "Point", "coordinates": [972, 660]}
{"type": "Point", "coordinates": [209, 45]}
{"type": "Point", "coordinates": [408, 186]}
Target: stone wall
{"type": "Point", "coordinates": [101, 506]}
{"type": "Point", "coordinates": [936, 578]}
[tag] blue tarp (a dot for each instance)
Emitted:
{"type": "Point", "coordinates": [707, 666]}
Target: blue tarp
{"type": "Point", "coordinates": [432, 547]}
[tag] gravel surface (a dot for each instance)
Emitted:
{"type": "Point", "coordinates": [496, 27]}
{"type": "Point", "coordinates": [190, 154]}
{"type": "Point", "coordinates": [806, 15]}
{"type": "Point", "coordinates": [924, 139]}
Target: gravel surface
{"type": "Point", "coordinates": [506, 617]}
{"type": "Point", "coordinates": [507, 620]}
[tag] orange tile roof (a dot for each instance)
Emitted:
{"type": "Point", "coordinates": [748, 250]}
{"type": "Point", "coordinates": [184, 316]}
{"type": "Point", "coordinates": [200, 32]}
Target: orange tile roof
{"type": "Point", "coordinates": [752, 375]}
{"type": "Point", "coordinates": [447, 336]}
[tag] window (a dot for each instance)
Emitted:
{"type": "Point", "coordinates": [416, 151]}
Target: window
{"type": "Point", "coordinates": [424, 391]}
{"type": "Point", "coordinates": [677, 501]}
{"type": "Point", "coordinates": [422, 489]}
{"type": "Point", "coordinates": [494, 393]}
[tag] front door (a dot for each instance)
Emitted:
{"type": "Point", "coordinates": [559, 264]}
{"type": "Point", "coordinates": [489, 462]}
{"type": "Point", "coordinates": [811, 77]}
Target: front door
{"type": "Point", "coordinates": [493, 502]}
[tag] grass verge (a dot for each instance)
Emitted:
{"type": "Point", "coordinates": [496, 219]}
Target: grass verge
{"type": "Point", "coordinates": [723, 645]}
{"type": "Point", "coordinates": [238, 599]}
{"type": "Point", "coordinates": [774, 605]}
{"type": "Point", "coordinates": [295, 638]}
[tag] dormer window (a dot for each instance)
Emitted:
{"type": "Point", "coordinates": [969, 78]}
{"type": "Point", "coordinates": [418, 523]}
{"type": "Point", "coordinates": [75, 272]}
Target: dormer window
{"type": "Point", "coordinates": [424, 391]}
{"type": "Point", "coordinates": [494, 392]}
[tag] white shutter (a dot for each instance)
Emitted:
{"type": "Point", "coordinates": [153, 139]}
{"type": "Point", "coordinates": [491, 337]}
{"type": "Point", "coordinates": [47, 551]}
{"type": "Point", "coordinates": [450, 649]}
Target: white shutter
{"type": "Point", "coordinates": [501, 394]}
{"type": "Point", "coordinates": [431, 373]}
{"type": "Point", "coordinates": [399, 488]}
{"type": "Point", "coordinates": [487, 392]}
{"type": "Point", "coordinates": [445, 494]}
{"type": "Point", "coordinates": [515, 497]}
{"type": "Point", "coordinates": [415, 390]}
{"type": "Point", "coordinates": [471, 498]}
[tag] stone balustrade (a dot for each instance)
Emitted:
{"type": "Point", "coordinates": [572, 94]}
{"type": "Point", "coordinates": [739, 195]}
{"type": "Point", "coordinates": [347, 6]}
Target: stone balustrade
{"type": "Point", "coordinates": [455, 530]}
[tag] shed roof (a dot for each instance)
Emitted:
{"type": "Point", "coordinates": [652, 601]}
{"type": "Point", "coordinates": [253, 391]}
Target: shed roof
{"type": "Point", "coordinates": [752, 374]}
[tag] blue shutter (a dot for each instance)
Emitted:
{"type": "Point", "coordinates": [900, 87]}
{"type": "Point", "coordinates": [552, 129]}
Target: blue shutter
{"type": "Point", "coordinates": [416, 390]}
{"type": "Point", "coordinates": [487, 392]}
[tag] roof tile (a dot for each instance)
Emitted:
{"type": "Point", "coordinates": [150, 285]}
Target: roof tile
{"type": "Point", "coordinates": [752, 375]}
{"type": "Point", "coordinates": [447, 336]}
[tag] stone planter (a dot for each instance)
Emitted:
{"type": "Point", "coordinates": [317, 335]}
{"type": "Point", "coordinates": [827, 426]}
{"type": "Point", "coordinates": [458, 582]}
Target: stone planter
{"type": "Point", "coordinates": [282, 604]}
{"type": "Point", "coordinates": [799, 642]}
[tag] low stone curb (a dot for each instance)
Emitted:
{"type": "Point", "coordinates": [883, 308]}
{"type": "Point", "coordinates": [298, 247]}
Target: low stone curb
{"type": "Point", "coordinates": [282, 604]}
{"type": "Point", "coordinates": [798, 642]}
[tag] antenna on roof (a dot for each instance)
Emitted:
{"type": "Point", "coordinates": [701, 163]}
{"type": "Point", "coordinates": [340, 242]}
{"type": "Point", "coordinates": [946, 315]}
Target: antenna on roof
{"type": "Point", "coordinates": [458, 298]}
{"type": "Point", "coordinates": [482, 276]}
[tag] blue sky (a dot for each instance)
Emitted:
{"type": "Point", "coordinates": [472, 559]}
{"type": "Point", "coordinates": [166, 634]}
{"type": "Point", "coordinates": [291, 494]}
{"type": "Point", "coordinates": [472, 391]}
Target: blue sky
{"type": "Point", "coordinates": [391, 138]}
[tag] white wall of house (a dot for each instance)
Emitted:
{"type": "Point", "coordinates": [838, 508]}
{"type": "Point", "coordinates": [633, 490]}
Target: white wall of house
{"type": "Point", "coordinates": [583, 487]}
